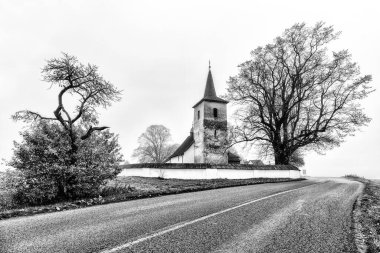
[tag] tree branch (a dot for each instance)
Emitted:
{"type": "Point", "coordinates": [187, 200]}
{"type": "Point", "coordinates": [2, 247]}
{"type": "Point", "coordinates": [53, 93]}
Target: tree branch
{"type": "Point", "coordinates": [91, 130]}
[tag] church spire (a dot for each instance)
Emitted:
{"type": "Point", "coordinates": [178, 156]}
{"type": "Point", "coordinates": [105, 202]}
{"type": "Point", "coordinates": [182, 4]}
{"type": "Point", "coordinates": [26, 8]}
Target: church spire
{"type": "Point", "coordinates": [210, 93]}
{"type": "Point", "coordinates": [210, 88]}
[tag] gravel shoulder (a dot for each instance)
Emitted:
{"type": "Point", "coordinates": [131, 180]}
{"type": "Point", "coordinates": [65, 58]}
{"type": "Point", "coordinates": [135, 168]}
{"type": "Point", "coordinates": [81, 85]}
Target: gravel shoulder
{"type": "Point", "coordinates": [366, 217]}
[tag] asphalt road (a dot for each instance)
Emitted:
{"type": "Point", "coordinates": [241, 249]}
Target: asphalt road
{"type": "Point", "coordinates": [304, 216]}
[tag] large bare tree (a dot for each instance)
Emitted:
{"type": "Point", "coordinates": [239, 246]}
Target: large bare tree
{"type": "Point", "coordinates": [154, 145]}
{"type": "Point", "coordinates": [294, 94]}
{"type": "Point", "coordinates": [85, 84]}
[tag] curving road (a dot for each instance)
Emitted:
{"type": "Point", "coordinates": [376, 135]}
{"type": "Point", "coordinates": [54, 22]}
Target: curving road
{"type": "Point", "coordinates": [304, 216]}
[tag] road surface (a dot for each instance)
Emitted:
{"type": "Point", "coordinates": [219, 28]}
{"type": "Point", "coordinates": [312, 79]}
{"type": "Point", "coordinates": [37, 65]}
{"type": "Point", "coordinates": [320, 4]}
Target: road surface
{"type": "Point", "coordinates": [304, 216]}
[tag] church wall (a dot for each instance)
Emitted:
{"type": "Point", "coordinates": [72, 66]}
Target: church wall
{"type": "Point", "coordinates": [188, 156]}
{"type": "Point", "coordinates": [215, 133]}
{"type": "Point", "coordinates": [176, 159]}
{"type": "Point", "coordinates": [210, 133]}
{"type": "Point", "coordinates": [209, 114]}
{"type": "Point", "coordinates": [198, 133]}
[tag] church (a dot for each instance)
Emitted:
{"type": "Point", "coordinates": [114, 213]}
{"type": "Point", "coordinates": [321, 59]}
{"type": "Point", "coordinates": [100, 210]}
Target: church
{"type": "Point", "coordinates": [208, 137]}
{"type": "Point", "coordinates": [203, 153]}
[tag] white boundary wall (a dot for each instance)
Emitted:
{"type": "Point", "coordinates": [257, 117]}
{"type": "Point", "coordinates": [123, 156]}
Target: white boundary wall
{"type": "Point", "coordinates": [209, 173]}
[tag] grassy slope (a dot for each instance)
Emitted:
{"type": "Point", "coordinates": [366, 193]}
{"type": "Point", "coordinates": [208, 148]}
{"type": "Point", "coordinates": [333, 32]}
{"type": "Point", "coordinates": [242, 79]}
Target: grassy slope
{"type": "Point", "coordinates": [128, 188]}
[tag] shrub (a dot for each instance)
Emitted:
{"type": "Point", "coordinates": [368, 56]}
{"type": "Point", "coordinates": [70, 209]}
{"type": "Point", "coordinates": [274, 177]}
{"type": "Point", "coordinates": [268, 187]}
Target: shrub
{"type": "Point", "coordinates": [49, 172]}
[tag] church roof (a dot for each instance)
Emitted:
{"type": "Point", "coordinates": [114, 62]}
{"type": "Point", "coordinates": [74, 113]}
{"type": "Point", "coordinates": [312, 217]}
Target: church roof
{"type": "Point", "coordinates": [210, 93]}
{"type": "Point", "coordinates": [183, 147]}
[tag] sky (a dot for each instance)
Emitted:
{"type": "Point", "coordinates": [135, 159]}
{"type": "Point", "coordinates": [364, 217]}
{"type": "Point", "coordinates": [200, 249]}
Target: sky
{"type": "Point", "coordinates": [157, 52]}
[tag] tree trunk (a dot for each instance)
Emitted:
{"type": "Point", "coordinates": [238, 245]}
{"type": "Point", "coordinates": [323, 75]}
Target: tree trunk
{"type": "Point", "coordinates": [74, 148]}
{"type": "Point", "coordinates": [281, 159]}
{"type": "Point", "coordinates": [281, 156]}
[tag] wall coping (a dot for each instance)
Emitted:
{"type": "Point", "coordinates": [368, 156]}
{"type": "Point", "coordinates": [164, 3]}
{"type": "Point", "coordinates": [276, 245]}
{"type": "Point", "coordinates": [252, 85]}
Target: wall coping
{"type": "Point", "coordinates": [208, 166]}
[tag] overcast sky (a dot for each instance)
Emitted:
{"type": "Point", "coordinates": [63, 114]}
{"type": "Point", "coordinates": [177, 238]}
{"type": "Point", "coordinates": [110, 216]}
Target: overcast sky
{"type": "Point", "coordinates": [157, 52]}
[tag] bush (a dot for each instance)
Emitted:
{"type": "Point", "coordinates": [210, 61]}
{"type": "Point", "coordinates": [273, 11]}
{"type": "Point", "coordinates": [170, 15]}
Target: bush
{"type": "Point", "coordinates": [6, 190]}
{"type": "Point", "coordinates": [34, 190]}
{"type": "Point", "coordinates": [48, 171]}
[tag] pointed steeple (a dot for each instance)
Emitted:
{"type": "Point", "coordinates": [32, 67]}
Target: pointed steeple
{"type": "Point", "coordinates": [210, 88]}
{"type": "Point", "coordinates": [210, 93]}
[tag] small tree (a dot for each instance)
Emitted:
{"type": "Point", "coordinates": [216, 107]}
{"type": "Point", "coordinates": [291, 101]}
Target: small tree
{"type": "Point", "coordinates": [44, 166]}
{"type": "Point", "coordinates": [293, 95]}
{"type": "Point", "coordinates": [154, 145]}
{"type": "Point", "coordinates": [87, 86]}
{"type": "Point", "coordinates": [69, 148]}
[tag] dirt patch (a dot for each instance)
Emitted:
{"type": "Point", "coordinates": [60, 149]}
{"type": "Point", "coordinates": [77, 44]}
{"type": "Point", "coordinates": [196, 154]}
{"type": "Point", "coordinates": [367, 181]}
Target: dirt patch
{"type": "Point", "coordinates": [129, 188]}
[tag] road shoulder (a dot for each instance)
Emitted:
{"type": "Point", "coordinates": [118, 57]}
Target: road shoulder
{"type": "Point", "coordinates": [366, 217]}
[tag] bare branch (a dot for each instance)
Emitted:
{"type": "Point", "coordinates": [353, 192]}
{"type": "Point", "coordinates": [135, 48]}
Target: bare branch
{"type": "Point", "coordinates": [29, 116]}
{"type": "Point", "coordinates": [91, 130]}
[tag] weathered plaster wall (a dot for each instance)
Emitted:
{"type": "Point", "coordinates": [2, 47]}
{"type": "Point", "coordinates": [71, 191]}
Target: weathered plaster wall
{"type": "Point", "coordinates": [198, 133]}
{"type": "Point", "coordinates": [176, 159]}
{"type": "Point", "coordinates": [188, 156]}
{"type": "Point", "coordinates": [209, 114]}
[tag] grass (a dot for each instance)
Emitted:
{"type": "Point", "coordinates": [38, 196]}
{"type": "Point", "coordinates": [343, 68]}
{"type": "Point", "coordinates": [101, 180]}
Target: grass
{"type": "Point", "coordinates": [366, 216]}
{"type": "Point", "coordinates": [129, 188]}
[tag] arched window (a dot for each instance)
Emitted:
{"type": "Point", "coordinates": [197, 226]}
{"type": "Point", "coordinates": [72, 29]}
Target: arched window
{"type": "Point", "coordinates": [215, 133]}
{"type": "Point", "coordinates": [215, 113]}
{"type": "Point", "coordinates": [199, 114]}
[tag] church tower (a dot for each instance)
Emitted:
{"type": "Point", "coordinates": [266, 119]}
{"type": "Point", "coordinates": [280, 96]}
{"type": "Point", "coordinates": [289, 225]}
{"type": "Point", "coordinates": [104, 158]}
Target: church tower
{"type": "Point", "coordinates": [210, 126]}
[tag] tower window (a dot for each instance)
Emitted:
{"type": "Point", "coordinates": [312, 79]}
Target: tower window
{"type": "Point", "coordinates": [215, 133]}
{"type": "Point", "coordinates": [199, 114]}
{"type": "Point", "coordinates": [215, 113]}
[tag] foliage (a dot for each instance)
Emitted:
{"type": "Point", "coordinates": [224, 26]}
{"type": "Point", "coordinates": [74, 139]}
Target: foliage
{"type": "Point", "coordinates": [44, 164]}
{"type": "Point", "coordinates": [296, 159]}
{"type": "Point", "coordinates": [7, 180]}
{"type": "Point", "coordinates": [293, 94]}
{"type": "Point", "coordinates": [212, 124]}
{"type": "Point", "coordinates": [154, 145]}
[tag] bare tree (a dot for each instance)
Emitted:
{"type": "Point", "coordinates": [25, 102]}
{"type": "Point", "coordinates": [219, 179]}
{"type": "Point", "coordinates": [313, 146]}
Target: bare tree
{"type": "Point", "coordinates": [154, 145]}
{"type": "Point", "coordinates": [293, 95]}
{"type": "Point", "coordinates": [87, 85]}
